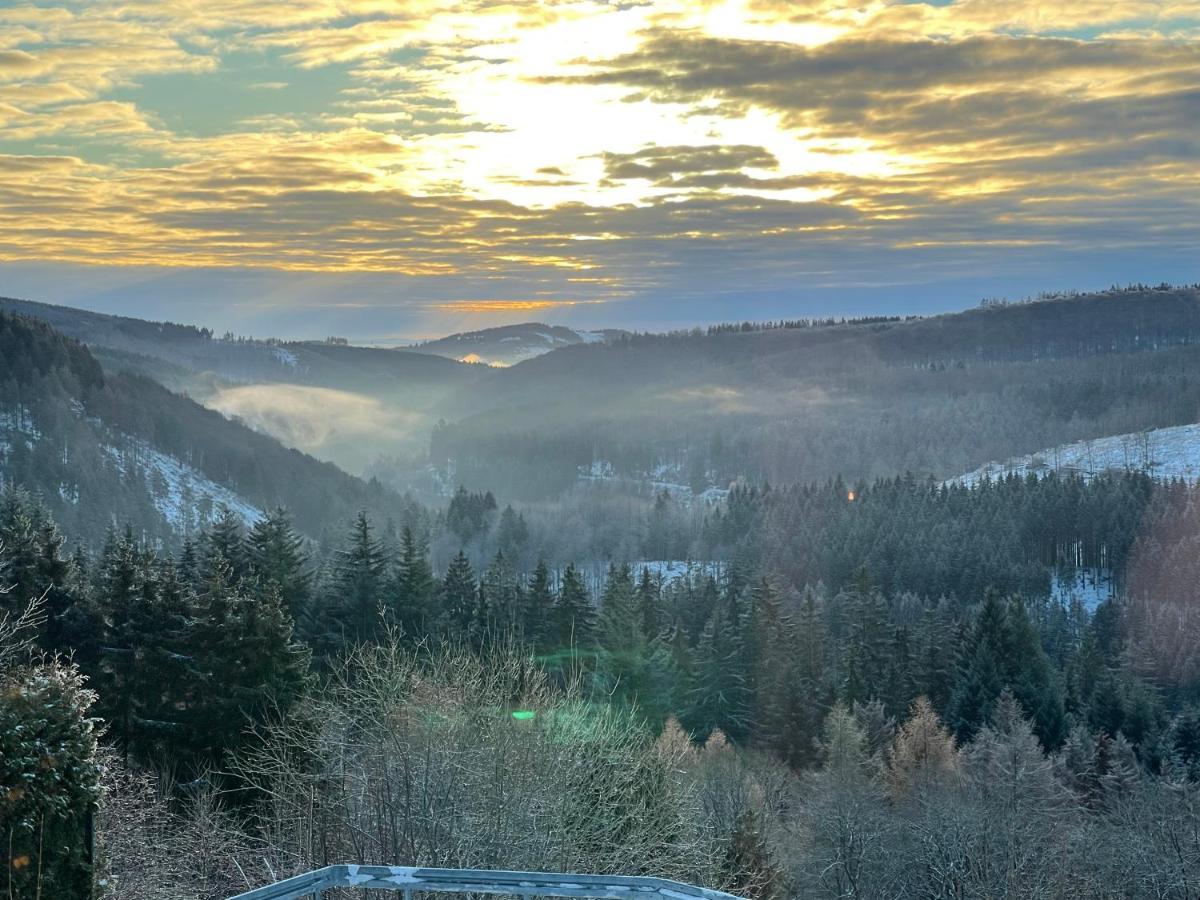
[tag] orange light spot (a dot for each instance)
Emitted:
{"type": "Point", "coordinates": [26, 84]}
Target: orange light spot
{"type": "Point", "coordinates": [850, 496]}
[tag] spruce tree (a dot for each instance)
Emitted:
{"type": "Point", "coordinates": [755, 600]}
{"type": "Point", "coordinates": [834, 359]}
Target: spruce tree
{"type": "Point", "coordinates": [718, 696]}
{"type": "Point", "coordinates": [575, 616]}
{"type": "Point", "coordinates": [770, 652]}
{"type": "Point", "coordinates": [649, 591]}
{"type": "Point", "coordinates": [1003, 651]}
{"type": "Point", "coordinates": [620, 622]}
{"type": "Point", "coordinates": [358, 585]}
{"type": "Point", "coordinates": [632, 670]}
{"type": "Point", "coordinates": [245, 665]}
{"type": "Point", "coordinates": [458, 595]}
{"type": "Point", "coordinates": [226, 539]}
{"type": "Point", "coordinates": [503, 597]}
{"type": "Point", "coordinates": [276, 557]}
{"type": "Point", "coordinates": [414, 587]}
{"type": "Point", "coordinates": [538, 625]}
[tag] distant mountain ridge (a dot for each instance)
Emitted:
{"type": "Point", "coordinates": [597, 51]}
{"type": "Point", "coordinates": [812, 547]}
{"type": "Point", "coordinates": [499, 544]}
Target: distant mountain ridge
{"type": "Point", "coordinates": [507, 345]}
{"type": "Point", "coordinates": [135, 343]}
{"type": "Point", "coordinates": [794, 401]}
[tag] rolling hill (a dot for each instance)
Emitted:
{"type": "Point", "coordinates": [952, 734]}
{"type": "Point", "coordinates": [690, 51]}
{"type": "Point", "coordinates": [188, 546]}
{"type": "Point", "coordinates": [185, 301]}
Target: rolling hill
{"type": "Point", "coordinates": [508, 345]}
{"type": "Point", "coordinates": [102, 448]}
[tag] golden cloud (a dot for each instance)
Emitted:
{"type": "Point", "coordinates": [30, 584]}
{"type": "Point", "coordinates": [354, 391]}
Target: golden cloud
{"type": "Point", "coordinates": [504, 306]}
{"type": "Point", "coordinates": [626, 145]}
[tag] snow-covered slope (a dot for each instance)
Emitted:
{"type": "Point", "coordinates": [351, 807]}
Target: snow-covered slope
{"type": "Point", "coordinates": [1163, 453]}
{"type": "Point", "coordinates": [183, 495]}
{"type": "Point", "coordinates": [186, 498]}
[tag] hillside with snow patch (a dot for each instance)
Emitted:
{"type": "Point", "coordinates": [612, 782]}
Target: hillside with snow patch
{"type": "Point", "coordinates": [1165, 453]}
{"type": "Point", "coordinates": [508, 345]}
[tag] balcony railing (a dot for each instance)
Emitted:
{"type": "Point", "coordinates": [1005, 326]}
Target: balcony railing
{"type": "Point", "coordinates": [480, 881]}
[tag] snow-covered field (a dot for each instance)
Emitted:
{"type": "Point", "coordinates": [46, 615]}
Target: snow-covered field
{"type": "Point", "coordinates": [1163, 453]}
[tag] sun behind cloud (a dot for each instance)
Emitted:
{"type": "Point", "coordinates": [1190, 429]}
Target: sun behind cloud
{"type": "Point", "coordinates": [700, 149]}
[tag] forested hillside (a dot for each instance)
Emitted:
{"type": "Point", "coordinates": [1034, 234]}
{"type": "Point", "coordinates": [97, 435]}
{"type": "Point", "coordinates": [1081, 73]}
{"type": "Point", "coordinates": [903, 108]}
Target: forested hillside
{"type": "Point", "coordinates": [809, 401]}
{"type": "Point", "coordinates": [101, 447]}
{"type": "Point", "coordinates": [330, 364]}
{"type": "Point", "coordinates": [784, 402]}
{"type": "Point", "coordinates": [883, 664]}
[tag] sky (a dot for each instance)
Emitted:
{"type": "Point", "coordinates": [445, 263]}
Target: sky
{"type": "Point", "coordinates": [390, 170]}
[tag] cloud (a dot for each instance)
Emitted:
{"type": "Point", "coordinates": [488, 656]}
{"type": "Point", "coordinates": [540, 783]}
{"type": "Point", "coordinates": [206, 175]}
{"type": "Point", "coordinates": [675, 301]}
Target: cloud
{"type": "Point", "coordinates": [665, 165]}
{"type": "Point", "coordinates": [581, 150]}
{"type": "Point", "coordinates": [508, 306]}
{"type": "Point", "coordinates": [331, 424]}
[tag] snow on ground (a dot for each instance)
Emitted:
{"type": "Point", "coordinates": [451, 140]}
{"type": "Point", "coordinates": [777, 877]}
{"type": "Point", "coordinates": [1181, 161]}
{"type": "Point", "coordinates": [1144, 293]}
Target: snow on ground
{"type": "Point", "coordinates": [1163, 453]}
{"type": "Point", "coordinates": [595, 573]}
{"type": "Point", "coordinates": [591, 337]}
{"type": "Point", "coordinates": [671, 569]}
{"type": "Point", "coordinates": [1091, 587]}
{"type": "Point", "coordinates": [20, 421]}
{"type": "Point", "coordinates": [602, 470]}
{"type": "Point", "coordinates": [287, 357]}
{"type": "Point", "coordinates": [185, 496]}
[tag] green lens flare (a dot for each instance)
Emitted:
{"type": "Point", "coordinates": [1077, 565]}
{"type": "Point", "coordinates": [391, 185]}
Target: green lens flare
{"type": "Point", "coordinates": [523, 715]}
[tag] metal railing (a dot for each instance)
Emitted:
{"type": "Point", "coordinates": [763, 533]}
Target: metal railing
{"type": "Point", "coordinates": [480, 881]}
